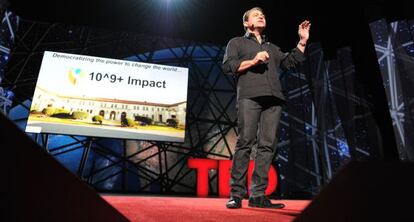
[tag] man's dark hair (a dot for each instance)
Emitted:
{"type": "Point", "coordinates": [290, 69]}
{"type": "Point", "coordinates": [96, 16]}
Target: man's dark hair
{"type": "Point", "coordinates": [247, 14]}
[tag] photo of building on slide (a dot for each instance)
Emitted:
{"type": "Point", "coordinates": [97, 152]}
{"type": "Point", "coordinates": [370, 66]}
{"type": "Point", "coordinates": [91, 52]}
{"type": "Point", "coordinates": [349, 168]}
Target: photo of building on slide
{"type": "Point", "coordinates": [100, 97]}
{"type": "Point", "coordinates": [51, 112]}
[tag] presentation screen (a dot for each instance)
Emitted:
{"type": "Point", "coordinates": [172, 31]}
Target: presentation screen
{"type": "Point", "coordinates": [103, 97]}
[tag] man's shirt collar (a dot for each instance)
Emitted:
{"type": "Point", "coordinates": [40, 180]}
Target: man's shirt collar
{"type": "Point", "coordinates": [251, 35]}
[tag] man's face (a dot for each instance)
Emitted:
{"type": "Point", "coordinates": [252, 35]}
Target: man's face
{"type": "Point", "coordinates": [256, 19]}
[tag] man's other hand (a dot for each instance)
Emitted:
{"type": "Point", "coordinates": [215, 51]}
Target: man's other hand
{"type": "Point", "coordinates": [261, 57]}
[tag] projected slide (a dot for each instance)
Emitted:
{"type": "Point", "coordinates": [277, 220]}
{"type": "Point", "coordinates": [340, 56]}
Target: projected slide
{"type": "Point", "coordinates": [102, 97]}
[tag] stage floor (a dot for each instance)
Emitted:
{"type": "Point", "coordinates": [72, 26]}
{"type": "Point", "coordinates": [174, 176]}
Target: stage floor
{"type": "Point", "coordinates": [182, 209]}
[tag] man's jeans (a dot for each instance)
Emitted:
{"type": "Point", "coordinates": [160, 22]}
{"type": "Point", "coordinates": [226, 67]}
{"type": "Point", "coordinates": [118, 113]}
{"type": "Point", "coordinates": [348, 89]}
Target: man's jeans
{"type": "Point", "coordinates": [257, 118]}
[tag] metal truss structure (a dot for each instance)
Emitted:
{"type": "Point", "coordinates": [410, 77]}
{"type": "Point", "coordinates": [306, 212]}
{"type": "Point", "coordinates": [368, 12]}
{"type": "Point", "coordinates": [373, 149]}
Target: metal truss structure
{"type": "Point", "coordinates": [8, 27]}
{"type": "Point", "coordinates": [325, 123]}
{"type": "Point", "coordinates": [395, 51]}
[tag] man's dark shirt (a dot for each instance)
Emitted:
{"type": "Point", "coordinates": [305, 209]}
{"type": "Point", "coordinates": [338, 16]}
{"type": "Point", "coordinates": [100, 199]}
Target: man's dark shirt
{"type": "Point", "coordinates": [262, 79]}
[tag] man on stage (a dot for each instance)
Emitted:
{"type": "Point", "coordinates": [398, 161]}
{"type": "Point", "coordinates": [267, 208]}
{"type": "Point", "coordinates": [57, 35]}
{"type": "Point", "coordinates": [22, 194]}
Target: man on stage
{"type": "Point", "coordinates": [254, 61]}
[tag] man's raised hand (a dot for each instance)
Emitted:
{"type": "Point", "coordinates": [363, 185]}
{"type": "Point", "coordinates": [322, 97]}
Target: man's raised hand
{"type": "Point", "coordinates": [303, 30]}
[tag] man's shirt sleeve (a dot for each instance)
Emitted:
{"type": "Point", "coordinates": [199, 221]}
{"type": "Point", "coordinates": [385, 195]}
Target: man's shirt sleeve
{"type": "Point", "coordinates": [231, 61]}
{"type": "Point", "coordinates": [291, 59]}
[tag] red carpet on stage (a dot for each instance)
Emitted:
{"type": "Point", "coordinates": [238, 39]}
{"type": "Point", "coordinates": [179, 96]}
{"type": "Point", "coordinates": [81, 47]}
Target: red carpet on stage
{"type": "Point", "coordinates": [199, 209]}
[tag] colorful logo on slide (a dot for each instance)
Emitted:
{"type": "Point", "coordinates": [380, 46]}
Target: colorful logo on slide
{"type": "Point", "coordinates": [75, 75]}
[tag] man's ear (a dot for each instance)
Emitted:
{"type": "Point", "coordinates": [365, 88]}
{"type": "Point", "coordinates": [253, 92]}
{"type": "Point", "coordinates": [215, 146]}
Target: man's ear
{"type": "Point", "coordinates": [245, 24]}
